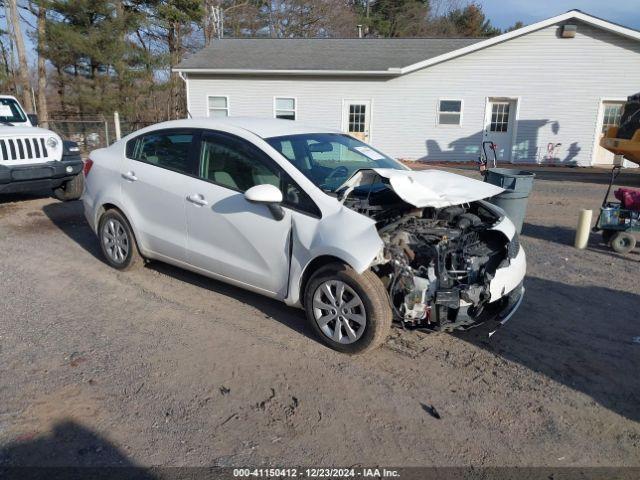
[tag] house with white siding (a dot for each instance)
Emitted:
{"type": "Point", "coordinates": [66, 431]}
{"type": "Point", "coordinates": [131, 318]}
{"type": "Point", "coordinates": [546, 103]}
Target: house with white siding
{"type": "Point", "coordinates": [544, 93]}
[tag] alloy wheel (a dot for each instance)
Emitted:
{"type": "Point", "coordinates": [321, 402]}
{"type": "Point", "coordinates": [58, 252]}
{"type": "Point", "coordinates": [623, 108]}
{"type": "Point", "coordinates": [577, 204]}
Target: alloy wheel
{"type": "Point", "coordinates": [339, 311]}
{"type": "Point", "coordinates": [115, 240]}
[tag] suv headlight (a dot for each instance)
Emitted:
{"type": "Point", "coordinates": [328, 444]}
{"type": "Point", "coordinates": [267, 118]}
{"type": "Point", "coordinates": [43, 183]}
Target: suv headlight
{"type": "Point", "coordinates": [52, 142]}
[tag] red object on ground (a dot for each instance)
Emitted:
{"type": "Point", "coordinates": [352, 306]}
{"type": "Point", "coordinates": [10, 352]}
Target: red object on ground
{"type": "Point", "coordinates": [630, 198]}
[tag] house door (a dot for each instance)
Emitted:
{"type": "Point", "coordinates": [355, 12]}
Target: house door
{"type": "Point", "coordinates": [356, 118]}
{"type": "Point", "coordinates": [499, 126]}
{"type": "Point", "coordinates": [608, 116]}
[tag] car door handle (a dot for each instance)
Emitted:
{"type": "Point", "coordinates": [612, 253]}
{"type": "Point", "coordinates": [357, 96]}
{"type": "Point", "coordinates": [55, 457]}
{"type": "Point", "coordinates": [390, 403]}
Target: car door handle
{"type": "Point", "coordinates": [130, 176]}
{"type": "Point", "coordinates": [197, 199]}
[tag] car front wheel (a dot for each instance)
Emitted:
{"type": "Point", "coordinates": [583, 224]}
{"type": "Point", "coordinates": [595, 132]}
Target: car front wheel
{"type": "Point", "coordinates": [350, 312]}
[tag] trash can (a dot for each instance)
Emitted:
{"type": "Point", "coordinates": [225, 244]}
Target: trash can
{"type": "Point", "coordinates": [517, 185]}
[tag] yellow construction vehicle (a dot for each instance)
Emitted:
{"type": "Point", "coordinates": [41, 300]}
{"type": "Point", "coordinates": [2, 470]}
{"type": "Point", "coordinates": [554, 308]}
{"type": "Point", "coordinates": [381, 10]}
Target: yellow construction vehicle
{"type": "Point", "coordinates": [618, 221]}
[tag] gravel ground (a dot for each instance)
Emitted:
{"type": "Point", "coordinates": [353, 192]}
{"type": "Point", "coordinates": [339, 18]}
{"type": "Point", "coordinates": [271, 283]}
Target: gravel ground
{"type": "Point", "coordinates": [164, 367]}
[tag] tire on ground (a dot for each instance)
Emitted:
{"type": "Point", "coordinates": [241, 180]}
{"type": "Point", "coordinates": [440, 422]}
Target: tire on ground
{"type": "Point", "coordinates": [71, 189]}
{"type": "Point", "coordinates": [622, 242]}
{"type": "Point", "coordinates": [133, 258]}
{"type": "Point", "coordinates": [374, 298]}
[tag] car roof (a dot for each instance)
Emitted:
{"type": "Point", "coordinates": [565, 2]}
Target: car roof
{"type": "Point", "coordinates": [262, 127]}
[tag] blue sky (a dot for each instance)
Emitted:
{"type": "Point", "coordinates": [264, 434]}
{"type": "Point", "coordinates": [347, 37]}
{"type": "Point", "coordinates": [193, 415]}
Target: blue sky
{"type": "Point", "coordinates": [504, 13]}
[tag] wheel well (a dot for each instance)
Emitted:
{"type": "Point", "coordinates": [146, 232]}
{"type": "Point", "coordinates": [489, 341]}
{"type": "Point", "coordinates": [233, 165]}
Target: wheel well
{"type": "Point", "coordinates": [313, 267]}
{"type": "Point", "coordinates": [110, 206]}
{"type": "Point", "coordinates": [103, 209]}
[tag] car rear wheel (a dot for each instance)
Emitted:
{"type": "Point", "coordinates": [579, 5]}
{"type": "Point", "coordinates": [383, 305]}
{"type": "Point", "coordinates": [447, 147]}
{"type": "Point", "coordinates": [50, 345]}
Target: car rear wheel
{"type": "Point", "coordinates": [71, 189]}
{"type": "Point", "coordinates": [623, 242]}
{"type": "Point", "coordinates": [348, 311]}
{"type": "Point", "coordinates": [117, 241]}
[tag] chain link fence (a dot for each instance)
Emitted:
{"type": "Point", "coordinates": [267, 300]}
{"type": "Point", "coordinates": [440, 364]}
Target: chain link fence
{"type": "Point", "coordinates": [94, 132]}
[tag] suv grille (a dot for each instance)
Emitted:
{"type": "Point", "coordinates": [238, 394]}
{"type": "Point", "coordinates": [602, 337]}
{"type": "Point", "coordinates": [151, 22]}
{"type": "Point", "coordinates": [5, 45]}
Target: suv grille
{"type": "Point", "coordinates": [24, 148]}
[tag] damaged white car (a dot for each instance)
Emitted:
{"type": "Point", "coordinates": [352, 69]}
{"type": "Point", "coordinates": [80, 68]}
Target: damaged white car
{"type": "Point", "coordinates": [312, 217]}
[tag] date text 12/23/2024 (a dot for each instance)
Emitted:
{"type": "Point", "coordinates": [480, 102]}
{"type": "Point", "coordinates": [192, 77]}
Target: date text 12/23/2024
{"type": "Point", "coordinates": [315, 473]}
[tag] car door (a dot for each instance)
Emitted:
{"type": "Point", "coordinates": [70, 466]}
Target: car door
{"type": "Point", "coordinates": [154, 186]}
{"type": "Point", "coordinates": [230, 236]}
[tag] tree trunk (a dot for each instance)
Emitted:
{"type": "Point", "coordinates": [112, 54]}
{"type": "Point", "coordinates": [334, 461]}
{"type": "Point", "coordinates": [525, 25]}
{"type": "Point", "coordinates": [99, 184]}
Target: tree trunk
{"type": "Point", "coordinates": [23, 69]}
{"type": "Point", "coordinates": [43, 113]}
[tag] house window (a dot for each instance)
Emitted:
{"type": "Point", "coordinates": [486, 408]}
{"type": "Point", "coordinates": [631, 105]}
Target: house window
{"type": "Point", "coordinates": [357, 118]}
{"type": "Point", "coordinates": [285, 108]}
{"type": "Point", "coordinates": [218, 106]}
{"type": "Point", "coordinates": [450, 112]}
{"type": "Point", "coordinates": [611, 116]}
{"type": "Point", "coordinates": [499, 117]}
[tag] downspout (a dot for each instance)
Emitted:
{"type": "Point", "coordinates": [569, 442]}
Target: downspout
{"type": "Point", "coordinates": [186, 89]}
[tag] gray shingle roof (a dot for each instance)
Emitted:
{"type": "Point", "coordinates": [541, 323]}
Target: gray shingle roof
{"type": "Point", "coordinates": [320, 53]}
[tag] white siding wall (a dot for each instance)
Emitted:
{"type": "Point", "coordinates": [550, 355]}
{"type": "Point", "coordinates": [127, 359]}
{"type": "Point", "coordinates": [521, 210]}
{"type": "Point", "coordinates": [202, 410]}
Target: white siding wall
{"type": "Point", "coordinates": [559, 84]}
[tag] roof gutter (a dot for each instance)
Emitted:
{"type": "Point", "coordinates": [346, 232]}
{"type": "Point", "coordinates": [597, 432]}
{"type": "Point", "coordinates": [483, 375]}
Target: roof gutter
{"type": "Point", "coordinates": [391, 72]}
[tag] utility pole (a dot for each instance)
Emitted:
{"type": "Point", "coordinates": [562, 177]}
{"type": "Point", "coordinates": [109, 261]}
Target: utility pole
{"type": "Point", "coordinates": [23, 69]}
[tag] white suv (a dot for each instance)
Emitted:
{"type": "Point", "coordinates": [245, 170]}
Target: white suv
{"type": "Point", "coordinates": [312, 217]}
{"type": "Point", "coordinates": [33, 158]}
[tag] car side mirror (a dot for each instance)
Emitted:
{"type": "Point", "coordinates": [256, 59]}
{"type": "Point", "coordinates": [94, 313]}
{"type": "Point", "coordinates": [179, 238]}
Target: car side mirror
{"type": "Point", "coordinates": [269, 195]}
{"type": "Point", "coordinates": [33, 119]}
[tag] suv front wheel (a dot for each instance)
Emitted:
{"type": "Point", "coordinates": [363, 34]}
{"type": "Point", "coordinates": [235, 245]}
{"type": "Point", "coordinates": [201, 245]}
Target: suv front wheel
{"type": "Point", "coordinates": [71, 189]}
{"type": "Point", "coordinates": [349, 312]}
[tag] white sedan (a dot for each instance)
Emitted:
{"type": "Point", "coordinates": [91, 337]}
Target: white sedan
{"type": "Point", "coordinates": [312, 217]}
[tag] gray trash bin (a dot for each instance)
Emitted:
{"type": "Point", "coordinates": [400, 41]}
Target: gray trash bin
{"type": "Point", "coordinates": [517, 184]}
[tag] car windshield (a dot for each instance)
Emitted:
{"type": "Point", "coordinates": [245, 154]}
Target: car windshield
{"type": "Point", "coordinates": [329, 159]}
{"type": "Point", "coordinates": [10, 111]}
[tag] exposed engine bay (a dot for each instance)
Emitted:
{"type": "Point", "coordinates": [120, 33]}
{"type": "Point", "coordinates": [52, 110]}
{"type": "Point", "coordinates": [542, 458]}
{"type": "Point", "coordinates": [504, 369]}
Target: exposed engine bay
{"type": "Point", "coordinates": [437, 262]}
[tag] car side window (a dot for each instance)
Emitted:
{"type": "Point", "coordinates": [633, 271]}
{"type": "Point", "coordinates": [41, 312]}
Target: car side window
{"type": "Point", "coordinates": [236, 164]}
{"type": "Point", "coordinates": [164, 149]}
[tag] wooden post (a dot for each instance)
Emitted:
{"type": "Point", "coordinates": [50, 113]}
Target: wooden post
{"type": "Point", "coordinates": [116, 122]}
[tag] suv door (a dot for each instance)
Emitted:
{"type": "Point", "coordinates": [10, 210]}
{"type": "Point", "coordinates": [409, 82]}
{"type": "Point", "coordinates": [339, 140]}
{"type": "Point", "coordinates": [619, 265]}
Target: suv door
{"type": "Point", "coordinates": [154, 185]}
{"type": "Point", "coordinates": [230, 236]}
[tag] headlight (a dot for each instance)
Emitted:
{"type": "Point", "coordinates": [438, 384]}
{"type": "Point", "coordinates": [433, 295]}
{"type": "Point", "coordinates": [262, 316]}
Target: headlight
{"type": "Point", "coordinates": [52, 142]}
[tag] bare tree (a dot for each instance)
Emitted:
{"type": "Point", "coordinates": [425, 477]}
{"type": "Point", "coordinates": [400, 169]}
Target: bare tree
{"type": "Point", "coordinates": [23, 69]}
{"type": "Point", "coordinates": [43, 112]}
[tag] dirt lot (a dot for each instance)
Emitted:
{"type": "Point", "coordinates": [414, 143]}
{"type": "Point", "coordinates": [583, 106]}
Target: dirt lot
{"type": "Point", "coordinates": [164, 367]}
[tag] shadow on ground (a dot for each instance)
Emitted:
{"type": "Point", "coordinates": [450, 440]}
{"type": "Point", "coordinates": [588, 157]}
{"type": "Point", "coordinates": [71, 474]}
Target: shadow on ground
{"type": "Point", "coordinates": [555, 234]}
{"type": "Point", "coordinates": [69, 218]}
{"type": "Point", "coordinates": [23, 197]}
{"type": "Point", "coordinates": [566, 236]}
{"type": "Point", "coordinates": [584, 337]}
{"type": "Point", "coordinates": [68, 452]}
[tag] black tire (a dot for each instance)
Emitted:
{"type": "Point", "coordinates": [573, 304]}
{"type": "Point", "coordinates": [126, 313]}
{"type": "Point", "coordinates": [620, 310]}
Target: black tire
{"type": "Point", "coordinates": [622, 242]}
{"type": "Point", "coordinates": [120, 225]}
{"type": "Point", "coordinates": [607, 235]}
{"type": "Point", "coordinates": [71, 189]}
{"type": "Point", "coordinates": [375, 301]}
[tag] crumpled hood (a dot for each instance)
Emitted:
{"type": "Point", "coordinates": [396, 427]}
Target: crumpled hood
{"type": "Point", "coordinates": [6, 130]}
{"type": "Point", "coordinates": [426, 188]}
